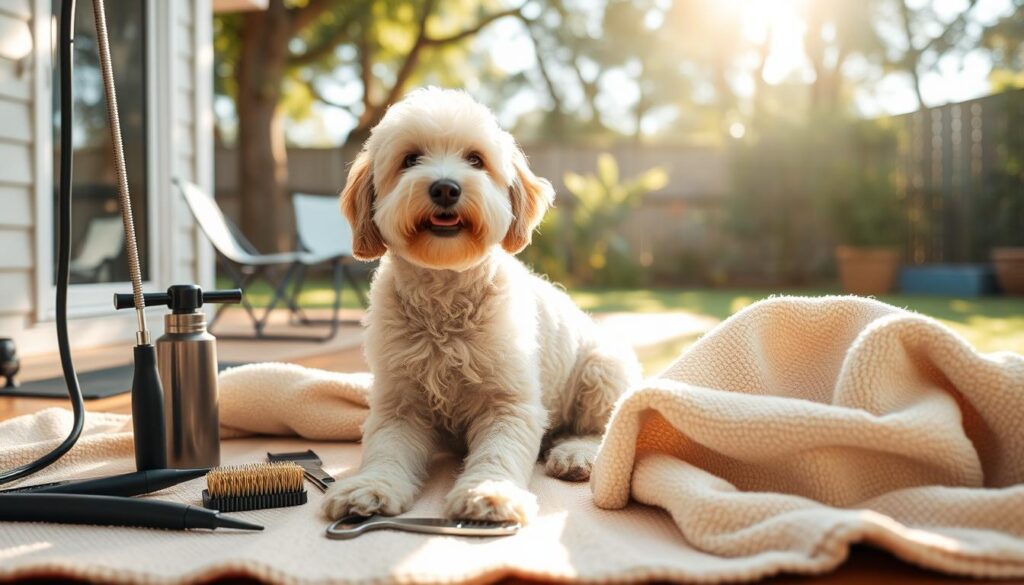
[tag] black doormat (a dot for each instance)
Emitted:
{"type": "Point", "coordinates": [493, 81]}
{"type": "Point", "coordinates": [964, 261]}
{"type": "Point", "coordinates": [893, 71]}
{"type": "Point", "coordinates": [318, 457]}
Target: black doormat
{"type": "Point", "coordinates": [95, 384]}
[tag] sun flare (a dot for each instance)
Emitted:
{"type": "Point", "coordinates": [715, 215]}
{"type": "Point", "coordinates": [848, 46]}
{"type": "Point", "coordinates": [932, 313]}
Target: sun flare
{"type": "Point", "coordinates": [780, 23]}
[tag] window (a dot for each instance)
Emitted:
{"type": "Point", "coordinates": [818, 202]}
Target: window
{"type": "Point", "coordinates": [97, 242]}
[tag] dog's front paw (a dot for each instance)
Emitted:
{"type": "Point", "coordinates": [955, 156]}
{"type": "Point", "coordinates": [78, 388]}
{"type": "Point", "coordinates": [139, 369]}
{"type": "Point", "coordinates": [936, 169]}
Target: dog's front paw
{"type": "Point", "coordinates": [571, 460]}
{"type": "Point", "coordinates": [500, 501]}
{"type": "Point", "coordinates": [365, 495]}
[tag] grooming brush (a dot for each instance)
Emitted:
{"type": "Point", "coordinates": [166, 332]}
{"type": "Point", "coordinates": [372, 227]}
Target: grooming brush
{"type": "Point", "coordinates": [255, 486]}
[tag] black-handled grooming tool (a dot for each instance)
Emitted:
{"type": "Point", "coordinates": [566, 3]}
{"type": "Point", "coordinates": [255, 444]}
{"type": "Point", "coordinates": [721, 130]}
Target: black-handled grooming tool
{"type": "Point", "coordinates": [310, 462]}
{"type": "Point", "coordinates": [150, 430]}
{"type": "Point", "coordinates": [113, 511]}
{"type": "Point", "coordinates": [256, 486]}
{"type": "Point", "coordinates": [136, 483]}
{"type": "Point", "coordinates": [180, 298]}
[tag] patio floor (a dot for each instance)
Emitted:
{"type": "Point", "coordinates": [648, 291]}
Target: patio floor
{"type": "Point", "coordinates": [342, 353]}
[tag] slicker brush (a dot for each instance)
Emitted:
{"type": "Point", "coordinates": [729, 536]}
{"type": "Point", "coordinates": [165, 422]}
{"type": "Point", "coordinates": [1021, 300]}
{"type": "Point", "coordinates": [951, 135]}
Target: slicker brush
{"type": "Point", "coordinates": [255, 486]}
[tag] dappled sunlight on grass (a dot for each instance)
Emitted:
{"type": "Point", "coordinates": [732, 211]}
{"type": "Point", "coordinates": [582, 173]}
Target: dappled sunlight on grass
{"type": "Point", "coordinates": [988, 323]}
{"type": "Point", "coordinates": [321, 297]}
{"type": "Point", "coordinates": [640, 301]}
{"type": "Point", "coordinates": [719, 304]}
{"type": "Point", "coordinates": [960, 306]}
{"type": "Point", "coordinates": [740, 303]}
{"type": "Point", "coordinates": [655, 362]}
{"type": "Point", "coordinates": [316, 294]}
{"type": "Point", "coordinates": [992, 334]}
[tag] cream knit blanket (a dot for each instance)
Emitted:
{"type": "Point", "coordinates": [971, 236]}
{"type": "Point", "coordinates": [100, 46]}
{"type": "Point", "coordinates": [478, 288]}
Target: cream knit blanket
{"type": "Point", "coordinates": [794, 429]}
{"type": "Point", "coordinates": [800, 426]}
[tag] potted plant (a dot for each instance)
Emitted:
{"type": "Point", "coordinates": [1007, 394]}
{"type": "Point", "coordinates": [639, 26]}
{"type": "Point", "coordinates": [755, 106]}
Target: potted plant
{"type": "Point", "coordinates": [869, 220]}
{"type": "Point", "coordinates": [1007, 213]}
{"type": "Point", "coordinates": [1008, 254]}
{"type": "Point", "coordinates": [1009, 264]}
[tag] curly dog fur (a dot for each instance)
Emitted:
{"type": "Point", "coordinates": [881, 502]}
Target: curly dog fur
{"type": "Point", "coordinates": [469, 349]}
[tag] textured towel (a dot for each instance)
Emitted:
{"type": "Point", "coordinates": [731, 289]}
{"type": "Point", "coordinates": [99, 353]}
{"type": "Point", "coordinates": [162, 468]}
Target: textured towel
{"type": "Point", "coordinates": [802, 425]}
{"type": "Point", "coordinates": [795, 428]}
{"type": "Point", "coordinates": [286, 399]}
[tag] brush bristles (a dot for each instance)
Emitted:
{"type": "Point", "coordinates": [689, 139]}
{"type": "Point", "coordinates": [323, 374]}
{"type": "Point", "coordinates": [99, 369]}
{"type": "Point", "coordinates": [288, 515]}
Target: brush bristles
{"type": "Point", "coordinates": [254, 479]}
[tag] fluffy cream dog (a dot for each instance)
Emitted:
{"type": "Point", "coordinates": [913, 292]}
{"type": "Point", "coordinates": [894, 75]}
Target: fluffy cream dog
{"type": "Point", "coordinates": [469, 349]}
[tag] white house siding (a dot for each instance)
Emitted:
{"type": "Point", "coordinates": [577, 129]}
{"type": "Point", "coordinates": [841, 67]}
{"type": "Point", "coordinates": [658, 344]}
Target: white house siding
{"type": "Point", "coordinates": [16, 179]}
{"type": "Point", "coordinates": [191, 121]}
{"type": "Point", "coordinates": [182, 45]}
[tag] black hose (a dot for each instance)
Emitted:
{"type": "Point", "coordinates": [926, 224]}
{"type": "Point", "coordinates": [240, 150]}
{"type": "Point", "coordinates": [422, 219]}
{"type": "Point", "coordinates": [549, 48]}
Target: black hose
{"type": "Point", "coordinates": [67, 24]}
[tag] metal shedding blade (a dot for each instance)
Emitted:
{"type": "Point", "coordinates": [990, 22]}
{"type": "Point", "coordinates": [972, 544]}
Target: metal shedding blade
{"type": "Point", "coordinates": [353, 526]}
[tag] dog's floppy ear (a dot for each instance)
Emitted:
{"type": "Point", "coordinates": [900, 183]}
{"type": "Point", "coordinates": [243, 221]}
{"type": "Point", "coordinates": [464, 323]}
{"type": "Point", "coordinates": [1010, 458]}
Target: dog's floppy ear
{"type": "Point", "coordinates": [357, 204]}
{"type": "Point", "coordinates": [531, 196]}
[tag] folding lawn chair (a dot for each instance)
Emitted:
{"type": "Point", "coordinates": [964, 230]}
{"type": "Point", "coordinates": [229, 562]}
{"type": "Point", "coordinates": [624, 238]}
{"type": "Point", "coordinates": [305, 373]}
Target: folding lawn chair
{"type": "Point", "coordinates": [323, 232]}
{"type": "Point", "coordinates": [244, 265]}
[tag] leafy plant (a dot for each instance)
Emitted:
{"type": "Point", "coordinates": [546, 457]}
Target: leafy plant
{"type": "Point", "coordinates": [800, 184]}
{"type": "Point", "coordinates": [583, 242]}
{"type": "Point", "coordinates": [1005, 189]}
{"type": "Point", "coordinates": [870, 217]}
{"type": "Point", "coordinates": [867, 208]}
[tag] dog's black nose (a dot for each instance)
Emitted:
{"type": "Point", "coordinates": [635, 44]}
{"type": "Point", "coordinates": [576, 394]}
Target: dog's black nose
{"type": "Point", "coordinates": [445, 192]}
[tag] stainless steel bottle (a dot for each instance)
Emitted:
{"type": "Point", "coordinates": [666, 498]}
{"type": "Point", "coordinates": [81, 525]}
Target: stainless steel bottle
{"type": "Point", "coordinates": [187, 359]}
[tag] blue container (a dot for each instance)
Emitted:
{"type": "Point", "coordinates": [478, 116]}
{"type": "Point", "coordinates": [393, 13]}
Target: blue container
{"type": "Point", "coordinates": [952, 280]}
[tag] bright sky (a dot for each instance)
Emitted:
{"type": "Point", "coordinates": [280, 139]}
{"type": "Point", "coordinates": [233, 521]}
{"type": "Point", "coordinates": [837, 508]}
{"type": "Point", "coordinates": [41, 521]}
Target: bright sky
{"type": "Point", "coordinates": [958, 77]}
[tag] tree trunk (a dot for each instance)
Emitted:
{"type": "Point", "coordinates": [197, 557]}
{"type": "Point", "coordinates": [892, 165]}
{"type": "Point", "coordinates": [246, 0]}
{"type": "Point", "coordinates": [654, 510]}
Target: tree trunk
{"type": "Point", "coordinates": [823, 90]}
{"type": "Point", "coordinates": [266, 213]}
{"type": "Point", "coordinates": [638, 117]}
{"type": "Point", "coordinates": [760, 85]}
{"type": "Point", "coordinates": [913, 56]}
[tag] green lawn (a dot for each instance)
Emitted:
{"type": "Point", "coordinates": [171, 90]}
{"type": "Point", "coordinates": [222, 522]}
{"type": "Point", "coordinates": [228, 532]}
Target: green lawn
{"type": "Point", "coordinates": [990, 323]}
{"type": "Point", "coordinates": [315, 294]}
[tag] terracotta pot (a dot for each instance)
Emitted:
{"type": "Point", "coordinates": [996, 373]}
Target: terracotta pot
{"type": "Point", "coordinates": [867, 271]}
{"type": "Point", "coordinates": [1009, 264]}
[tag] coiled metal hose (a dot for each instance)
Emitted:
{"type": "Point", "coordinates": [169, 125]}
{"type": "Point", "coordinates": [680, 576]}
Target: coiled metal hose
{"type": "Point", "coordinates": [134, 269]}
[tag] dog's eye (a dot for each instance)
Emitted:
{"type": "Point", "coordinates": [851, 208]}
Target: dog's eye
{"type": "Point", "coordinates": [474, 160]}
{"type": "Point", "coordinates": [411, 160]}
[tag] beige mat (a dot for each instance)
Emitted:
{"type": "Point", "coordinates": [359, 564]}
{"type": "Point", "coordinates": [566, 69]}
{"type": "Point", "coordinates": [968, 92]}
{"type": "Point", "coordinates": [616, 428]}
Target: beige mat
{"type": "Point", "coordinates": [792, 430]}
{"type": "Point", "coordinates": [571, 539]}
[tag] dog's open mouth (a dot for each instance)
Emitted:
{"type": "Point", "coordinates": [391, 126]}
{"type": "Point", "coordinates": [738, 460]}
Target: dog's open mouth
{"type": "Point", "coordinates": [444, 223]}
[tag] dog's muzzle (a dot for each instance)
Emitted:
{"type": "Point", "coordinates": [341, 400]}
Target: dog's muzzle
{"type": "Point", "coordinates": [445, 193]}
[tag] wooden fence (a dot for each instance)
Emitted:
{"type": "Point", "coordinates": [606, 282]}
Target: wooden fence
{"type": "Point", "coordinates": [960, 173]}
{"type": "Point", "coordinates": [670, 220]}
{"type": "Point", "coordinates": [963, 179]}
{"type": "Point", "coordinates": [695, 172]}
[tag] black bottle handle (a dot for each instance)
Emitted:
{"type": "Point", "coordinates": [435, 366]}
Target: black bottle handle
{"type": "Point", "coordinates": [180, 298]}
